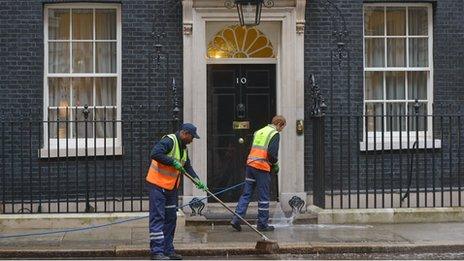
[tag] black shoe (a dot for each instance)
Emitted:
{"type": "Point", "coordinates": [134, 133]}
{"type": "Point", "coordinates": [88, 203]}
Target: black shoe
{"type": "Point", "coordinates": [159, 257]}
{"type": "Point", "coordinates": [264, 229]}
{"type": "Point", "coordinates": [236, 226]}
{"type": "Point", "coordinates": [174, 256]}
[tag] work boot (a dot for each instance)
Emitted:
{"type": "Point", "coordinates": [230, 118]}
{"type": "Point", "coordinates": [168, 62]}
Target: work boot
{"type": "Point", "coordinates": [174, 256]}
{"type": "Point", "coordinates": [265, 229]}
{"type": "Point", "coordinates": [236, 226]}
{"type": "Point", "coordinates": [159, 257]}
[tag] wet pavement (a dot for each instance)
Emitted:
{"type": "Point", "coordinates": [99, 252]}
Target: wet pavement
{"type": "Point", "coordinates": [347, 256]}
{"type": "Point", "coordinates": [312, 241]}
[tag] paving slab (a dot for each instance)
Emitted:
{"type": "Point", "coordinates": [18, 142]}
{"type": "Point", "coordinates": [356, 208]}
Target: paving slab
{"type": "Point", "coordinates": [106, 236]}
{"type": "Point", "coordinates": [127, 241]}
{"type": "Point", "coordinates": [39, 241]}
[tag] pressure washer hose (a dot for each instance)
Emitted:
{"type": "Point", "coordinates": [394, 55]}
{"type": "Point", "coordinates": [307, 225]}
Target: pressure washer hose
{"type": "Point", "coordinates": [107, 224]}
{"type": "Point", "coordinates": [231, 211]}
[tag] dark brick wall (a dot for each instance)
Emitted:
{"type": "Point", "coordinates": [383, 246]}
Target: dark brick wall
{"type": "Point", "coordinates": [144, 82]}
{"type": "Point", "coordinates": [341, 139]}
{"type": "Point", "coordinates": [21, 54]}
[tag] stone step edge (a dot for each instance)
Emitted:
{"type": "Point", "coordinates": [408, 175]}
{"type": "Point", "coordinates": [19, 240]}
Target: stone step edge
{"type": "Point", "coordinates": [221, 221]}
{"type": "Point", "coordinates": [201, 250]}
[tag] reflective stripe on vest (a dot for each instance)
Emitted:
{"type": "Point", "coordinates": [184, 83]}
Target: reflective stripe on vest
{"type": "Point", "coordinates": [166, 176]}
{"type": "Point", "coordinates": [258, 157]}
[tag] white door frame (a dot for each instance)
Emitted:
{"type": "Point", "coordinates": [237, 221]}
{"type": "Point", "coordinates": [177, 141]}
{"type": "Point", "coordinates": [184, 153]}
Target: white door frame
{"type": "Point", "coordinates": [289, 86]}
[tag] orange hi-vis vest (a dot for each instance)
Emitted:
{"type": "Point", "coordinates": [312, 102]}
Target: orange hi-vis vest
{"type": "Point", "coordinates": [166, 176]}
{"type": "Point", "coordinates": [258, 157]}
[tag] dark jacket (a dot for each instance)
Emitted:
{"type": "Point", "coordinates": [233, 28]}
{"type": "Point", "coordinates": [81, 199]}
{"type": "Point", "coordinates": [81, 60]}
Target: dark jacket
{"type": "Point", "coordinates": [273, 149]}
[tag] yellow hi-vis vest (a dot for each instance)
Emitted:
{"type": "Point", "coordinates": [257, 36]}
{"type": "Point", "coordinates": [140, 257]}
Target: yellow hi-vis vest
{"type": "Point", "coordinates": [258, 157]}
{"type": "Point", "coordinates": [166, 176]}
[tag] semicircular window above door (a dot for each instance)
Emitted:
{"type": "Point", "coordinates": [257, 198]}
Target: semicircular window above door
{"type": "Point", "coordinates": [240, 42]}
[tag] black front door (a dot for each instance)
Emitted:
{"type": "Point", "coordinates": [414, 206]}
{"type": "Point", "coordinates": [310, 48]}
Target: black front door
{"type": "Point", "coordinates": [241, 100]}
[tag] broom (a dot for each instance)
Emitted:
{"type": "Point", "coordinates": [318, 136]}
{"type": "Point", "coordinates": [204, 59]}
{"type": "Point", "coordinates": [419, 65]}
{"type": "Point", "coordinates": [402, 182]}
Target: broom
{"type": "Point", "coordinates": [265, 244]}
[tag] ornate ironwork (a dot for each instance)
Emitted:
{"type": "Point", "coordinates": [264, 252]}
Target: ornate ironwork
{"type": "Point", "coordinates": [339, 54]}
{"type": "Point", "coordinates": [159, 60]}
{"type": "Point", "coordinates": [416, 106]}
{"type": "Point", "coordinates": [319, 107]}
{"type": "Point", "coordinates": [229, 4]}
{"type": "Point", "coordinates": [297, 204]}
{"type": "Point", "coordinates": [268, 3]}
{"type": "Point", "coordinates": [158, 46]}
{"type": "Point", "coordinates": [339, 31]}
{"type": "Point", "coordinates": [175, 103]}
{"type": "Point", "coordinates": [196, 205]}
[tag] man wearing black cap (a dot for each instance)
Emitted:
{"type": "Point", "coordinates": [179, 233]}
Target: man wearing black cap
{"type": "Point", "coordinates": [169, 161]}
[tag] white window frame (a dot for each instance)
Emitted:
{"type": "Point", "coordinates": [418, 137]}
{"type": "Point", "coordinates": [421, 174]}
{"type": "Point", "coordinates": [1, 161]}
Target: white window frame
{"type": "Point", "coordinates": [392, 140]}
{"type": "Point", "coordinates": [76, 146]}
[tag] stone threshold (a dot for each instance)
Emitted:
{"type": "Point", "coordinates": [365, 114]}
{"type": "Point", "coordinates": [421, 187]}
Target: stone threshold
{"type": "Point", "coordinates": [388, 215]}
{"type": "Point", "coordinates": [239, 249]}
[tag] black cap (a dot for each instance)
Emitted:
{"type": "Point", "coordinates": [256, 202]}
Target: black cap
{"type": "Point", "coordinates": [190, 128]}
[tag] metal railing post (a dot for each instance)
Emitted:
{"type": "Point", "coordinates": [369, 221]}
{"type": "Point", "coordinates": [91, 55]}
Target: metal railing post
{"type": "Point", "coordinates": [88, 207]}
{"type": "Point", "coordinates": [318, 117]}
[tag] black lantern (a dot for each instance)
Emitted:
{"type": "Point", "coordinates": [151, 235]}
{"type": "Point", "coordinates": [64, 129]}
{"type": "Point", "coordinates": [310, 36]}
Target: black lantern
{"type": "Point", "coordinates": [249, 11]}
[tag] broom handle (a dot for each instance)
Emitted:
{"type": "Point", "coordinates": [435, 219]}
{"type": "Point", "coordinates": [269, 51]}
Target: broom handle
{"type": "Point", "coordinates": [224, 205]}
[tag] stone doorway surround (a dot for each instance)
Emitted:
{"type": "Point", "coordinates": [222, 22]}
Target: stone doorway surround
{"type": "Point", "coordinates": [290, 86]}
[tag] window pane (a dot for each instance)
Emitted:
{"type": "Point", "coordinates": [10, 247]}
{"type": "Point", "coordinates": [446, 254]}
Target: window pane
{"type": "Point", "coordinates": [417, 85]}
{"type": "Point", "coordinates": [58, 92]}
{"type": "Point", "coordinates": [371, 110]}
{"type": "Point", "coordinates": [58, 58]}
{"type": "Point", "coordinates": [418, 52]}
{"type": "Point", "coordinates": [395, 85]}
{"type": "Point", "coordinates": [106, 57]}
{"type": "Point", "coordinates": [82, 123]}
{"type": "Point", "coordinates": [418, 21]}
{"type": "Point", "coordinates": [375, 52]}
{"type": "Point", "coordinates": [374, 85]}
{"type": "Point", "coordinates": [82, 24]}
{"type": "Point", "coordinates": [58, 24]}
{"type": "Point", "coordinates": [396, 52]}
{"type": "Point", "coordinates": [55, 128]}
{"type": "Point", "coordinates": [396, 21]}
{"type": "Point", "coordinates": [82, 91]}
{"type": "Point", "coordinates": [105, 91]}
{"type": "Point", "coordinates": [105, 24]}
{"type": "Point", "coordinates": [104, 118]}
{"type": "Point", "coordinates": [396, 118]}
{"type": "Point", "coordinates": [420, 120]}
{"type": "Point", "coordinates": [374, 21]}
{"type": "Point", "coordinates": [82, 58]}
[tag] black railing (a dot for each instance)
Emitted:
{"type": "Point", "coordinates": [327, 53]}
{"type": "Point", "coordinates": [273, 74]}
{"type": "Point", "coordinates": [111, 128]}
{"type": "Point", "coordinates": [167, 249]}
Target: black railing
{"type": "Point", "coordinates": [93, 163]}
{"type": "Point", "coordinates": [389, 161]}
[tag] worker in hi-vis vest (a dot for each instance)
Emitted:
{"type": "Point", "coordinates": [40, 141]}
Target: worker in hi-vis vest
{"type": "Point", "coordinates": [169, 159]}
{"type": "Point", "coordinates": [262, 160]}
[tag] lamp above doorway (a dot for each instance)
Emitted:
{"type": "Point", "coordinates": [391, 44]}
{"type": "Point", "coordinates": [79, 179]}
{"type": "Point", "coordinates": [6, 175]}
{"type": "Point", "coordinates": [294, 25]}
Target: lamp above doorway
{"type": "Point", "coordinates": [249, 11]}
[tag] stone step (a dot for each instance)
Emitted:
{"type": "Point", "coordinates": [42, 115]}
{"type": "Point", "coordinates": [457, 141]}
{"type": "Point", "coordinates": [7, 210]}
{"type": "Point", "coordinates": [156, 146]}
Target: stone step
{"type": "Point", "coordinates": [216, 214]}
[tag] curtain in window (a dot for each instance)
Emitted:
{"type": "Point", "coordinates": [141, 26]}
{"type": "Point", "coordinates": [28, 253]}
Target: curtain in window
{"type": "Point", "coordinates": [91, 42]}
{"type": "Point", "coordinates": [105, 29]}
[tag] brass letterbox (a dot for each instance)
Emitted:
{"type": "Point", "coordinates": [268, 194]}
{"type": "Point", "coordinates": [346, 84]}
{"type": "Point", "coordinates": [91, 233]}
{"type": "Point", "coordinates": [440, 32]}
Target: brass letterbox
{"type": "Point", "coordinates": [241, 125]}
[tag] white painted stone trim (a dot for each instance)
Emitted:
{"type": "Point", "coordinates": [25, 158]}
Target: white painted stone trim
{"type": "Point", "coordinates": [289, 84]}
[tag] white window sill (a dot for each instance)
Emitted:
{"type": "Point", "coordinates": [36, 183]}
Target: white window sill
{"type": "Point", "coordinates": [80, 152]}
{"type": "Point", "coordinates": [395, 144]}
